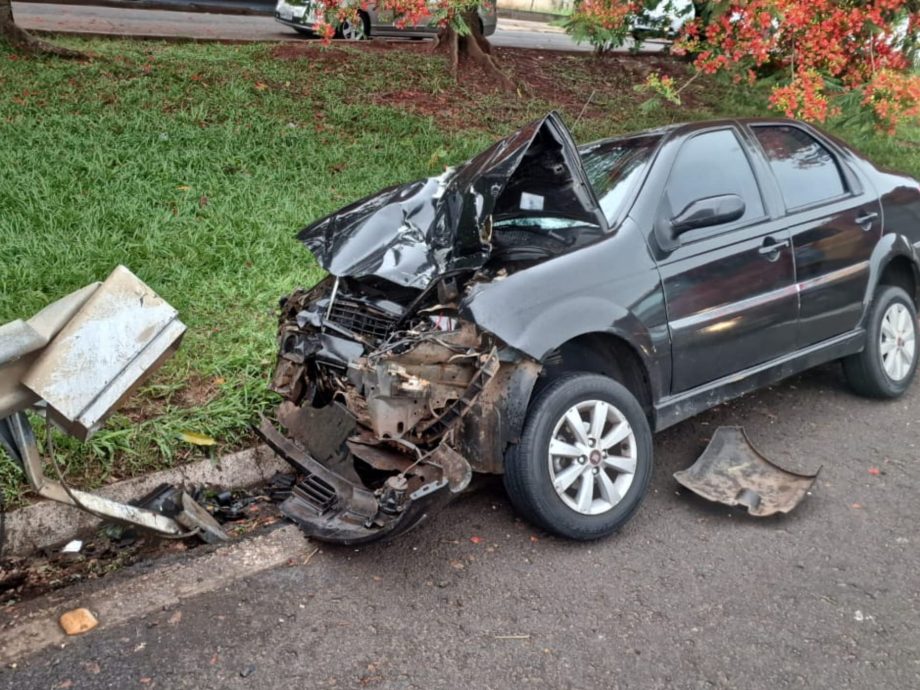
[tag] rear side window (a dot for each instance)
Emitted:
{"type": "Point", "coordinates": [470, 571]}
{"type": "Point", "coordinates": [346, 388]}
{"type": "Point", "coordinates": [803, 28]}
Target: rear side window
{"type": "Point", "coordinates": [712, 164]}
{"type": "Point", "coordinates": [805, 170]}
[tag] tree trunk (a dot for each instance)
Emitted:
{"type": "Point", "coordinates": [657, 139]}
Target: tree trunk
{"type": "Point", "coordinates": [473, 48]}
{"type": "Point", "coordinates": [21, 39]}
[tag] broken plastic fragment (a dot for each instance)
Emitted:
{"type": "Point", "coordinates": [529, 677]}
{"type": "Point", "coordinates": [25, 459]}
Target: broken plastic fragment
{"type": "Point", "coordinates": [73, 546]}
{"type": "Point", "coordinates": [733, 472]}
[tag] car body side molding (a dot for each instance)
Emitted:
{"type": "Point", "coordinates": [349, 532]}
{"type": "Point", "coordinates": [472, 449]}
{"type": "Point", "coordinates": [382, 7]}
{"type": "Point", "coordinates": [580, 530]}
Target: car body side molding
{"type": "Point", "coordinates": [676, 408]}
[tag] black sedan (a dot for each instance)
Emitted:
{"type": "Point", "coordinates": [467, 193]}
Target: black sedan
{"type": "Point", "coordinates": [540, 310]}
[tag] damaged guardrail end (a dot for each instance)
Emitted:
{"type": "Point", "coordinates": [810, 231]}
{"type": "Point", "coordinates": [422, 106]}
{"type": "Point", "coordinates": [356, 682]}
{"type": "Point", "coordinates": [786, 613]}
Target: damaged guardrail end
{"type": "Point", "coordinates": [75, 362]}
{"type": "Point", "coordinates": [732, 471]}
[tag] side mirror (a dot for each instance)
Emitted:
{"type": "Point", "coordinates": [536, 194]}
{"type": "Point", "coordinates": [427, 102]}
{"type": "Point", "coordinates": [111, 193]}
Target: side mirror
{"type": "Point", "coordinates": [703, 213]}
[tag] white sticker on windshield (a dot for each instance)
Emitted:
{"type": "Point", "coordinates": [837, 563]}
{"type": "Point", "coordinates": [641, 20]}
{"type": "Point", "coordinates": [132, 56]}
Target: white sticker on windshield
{"type": "Point", "coordinates": [531, 202]}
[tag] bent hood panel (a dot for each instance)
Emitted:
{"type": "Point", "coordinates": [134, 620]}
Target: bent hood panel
{"type": "Point", "coordinates": [410, 234]}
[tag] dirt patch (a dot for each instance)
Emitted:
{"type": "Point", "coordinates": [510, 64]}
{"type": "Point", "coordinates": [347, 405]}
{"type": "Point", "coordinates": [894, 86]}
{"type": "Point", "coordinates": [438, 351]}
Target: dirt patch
{"type": "Point", "coordinates": [567, 81]}
{"type": "Point", "coordinates": [198, 391]}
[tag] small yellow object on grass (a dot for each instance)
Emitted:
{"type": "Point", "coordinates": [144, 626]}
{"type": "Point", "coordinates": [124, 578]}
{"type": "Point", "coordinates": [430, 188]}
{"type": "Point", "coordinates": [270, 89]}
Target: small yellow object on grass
{"type": "Point", "coordinates": [197, 439]}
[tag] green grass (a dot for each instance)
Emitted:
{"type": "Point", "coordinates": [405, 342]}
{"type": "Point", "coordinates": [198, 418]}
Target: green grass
{"type": "Point", "coordinates": [194, 165]}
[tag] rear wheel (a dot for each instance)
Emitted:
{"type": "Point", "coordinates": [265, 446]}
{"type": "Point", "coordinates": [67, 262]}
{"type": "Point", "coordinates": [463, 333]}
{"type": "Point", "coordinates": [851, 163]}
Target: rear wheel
{"type": "Point", "coordinates": [885, 368]}
{"type": "Point", "coordinates": [585, 458]}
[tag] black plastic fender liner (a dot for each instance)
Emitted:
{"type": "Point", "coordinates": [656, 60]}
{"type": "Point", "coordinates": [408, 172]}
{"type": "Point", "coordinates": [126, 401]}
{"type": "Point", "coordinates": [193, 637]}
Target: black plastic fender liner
{"type": "Point", "coordinates": [333, 529]}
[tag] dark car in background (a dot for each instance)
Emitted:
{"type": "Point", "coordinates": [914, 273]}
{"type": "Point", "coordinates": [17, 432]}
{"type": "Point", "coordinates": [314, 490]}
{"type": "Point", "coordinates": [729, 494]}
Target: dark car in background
{"type": "Point", "coordinates": [540, 310]}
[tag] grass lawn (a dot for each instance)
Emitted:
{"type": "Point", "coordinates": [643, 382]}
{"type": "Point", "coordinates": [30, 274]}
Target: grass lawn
{"type": "Point", "coordinates": [195, 164]}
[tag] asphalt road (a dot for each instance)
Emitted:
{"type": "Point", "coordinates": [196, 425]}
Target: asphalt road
{"type": "Point", "coordinates": [233, 27]}
{"type": "Point", "coordinates": [689, 595]}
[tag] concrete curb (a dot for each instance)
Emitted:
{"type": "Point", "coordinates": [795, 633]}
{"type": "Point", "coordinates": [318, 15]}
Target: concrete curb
{"type": "Point", "coordinates": [47, 523]}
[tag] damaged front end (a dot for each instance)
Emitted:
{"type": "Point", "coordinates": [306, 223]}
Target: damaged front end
{"type": "Point", "coordinates": [386, 414]}
{"type": "Point", "coordinates": [392, 394]}
{"type": "Point", "coordinates": [376, 405]}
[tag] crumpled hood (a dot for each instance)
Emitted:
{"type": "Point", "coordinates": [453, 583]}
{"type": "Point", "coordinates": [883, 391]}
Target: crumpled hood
{"type": "Point", "coordinates": [410, 234]}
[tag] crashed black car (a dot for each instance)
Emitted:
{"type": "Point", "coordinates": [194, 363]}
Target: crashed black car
{"type": "Point", "coordinates": [540, 310]}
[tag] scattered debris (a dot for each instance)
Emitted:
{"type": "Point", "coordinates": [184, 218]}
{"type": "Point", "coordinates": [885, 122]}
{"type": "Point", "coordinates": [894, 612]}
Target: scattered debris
{"type": "Point", "coordinates": [733, 472]}
{"type": "Point", "coordinates": [117, 546]}
{"type": "Point", "coordinates": [78, 621]}
{"type": "Point", "coordinates": [72, 546]}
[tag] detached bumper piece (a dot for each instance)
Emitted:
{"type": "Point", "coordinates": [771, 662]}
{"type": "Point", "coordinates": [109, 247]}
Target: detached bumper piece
{"type": "Point", "coordinates": [331, 508]}
{"type": "Point", "coordinates": [733, 472]}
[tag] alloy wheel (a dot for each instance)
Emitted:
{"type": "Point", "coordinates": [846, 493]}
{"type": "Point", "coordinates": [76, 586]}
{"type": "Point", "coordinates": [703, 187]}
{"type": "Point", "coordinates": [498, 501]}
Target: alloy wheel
{"type": "Point", "coordinates": [897, 342]}
{"type": "Point", "coordinates": [352, 31]}
{"type": "Point", "coordinates": [592, 457]}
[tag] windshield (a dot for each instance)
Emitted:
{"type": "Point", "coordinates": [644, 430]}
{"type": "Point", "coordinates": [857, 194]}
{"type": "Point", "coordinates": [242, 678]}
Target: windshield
{"type": "Point", "coordinates": [615, 167]}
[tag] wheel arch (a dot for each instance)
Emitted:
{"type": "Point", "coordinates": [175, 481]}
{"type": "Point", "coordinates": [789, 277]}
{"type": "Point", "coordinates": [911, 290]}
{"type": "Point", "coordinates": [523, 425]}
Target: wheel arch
{"type": "Point", "coordinates": [608, 354]}
{"type": "Point", "coordinates": [893, 262]}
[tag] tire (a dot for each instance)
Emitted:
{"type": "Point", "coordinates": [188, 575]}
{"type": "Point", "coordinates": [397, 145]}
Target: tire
{"type": "Point", "coordinates": [532, 474]}
{"type": "Point", "coordinates": [345, 32]}
{"type": "Point", "coordinates": [885, 368]}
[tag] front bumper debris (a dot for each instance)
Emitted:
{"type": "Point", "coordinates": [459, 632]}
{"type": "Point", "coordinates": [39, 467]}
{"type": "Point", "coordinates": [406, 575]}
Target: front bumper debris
{"type": "Point", "coordinates": [330, 507]}
{"type": "Point", "coordinates": [733, 472]}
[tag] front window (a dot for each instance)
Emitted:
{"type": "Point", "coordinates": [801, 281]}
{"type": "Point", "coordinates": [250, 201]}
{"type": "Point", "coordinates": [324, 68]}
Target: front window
{"type": "Point", "coordinates": [614, 169]}
{"type": "Point", "coordinates": [712, 164]}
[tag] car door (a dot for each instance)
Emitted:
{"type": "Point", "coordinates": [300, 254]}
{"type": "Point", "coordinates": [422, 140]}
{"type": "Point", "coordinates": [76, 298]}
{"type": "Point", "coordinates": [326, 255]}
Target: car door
{"type": "Point", "coordinates": [729, 288]}
{"type": "Point", "coordinates": [835, 223]}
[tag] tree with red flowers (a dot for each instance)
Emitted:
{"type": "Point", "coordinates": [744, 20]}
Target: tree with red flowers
{"type": "Point", "coordinates": [459, 27]}
{"type": "Point", "coordinates": [826, 56]}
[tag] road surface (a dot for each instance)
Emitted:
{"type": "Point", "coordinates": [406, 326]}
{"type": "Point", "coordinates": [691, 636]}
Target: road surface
{"type": "Point", "coordinates": [689, 595]}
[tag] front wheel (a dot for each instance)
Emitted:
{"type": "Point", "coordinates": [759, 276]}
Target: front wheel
{"type": "Point", "coordinates": [584, 460]}
{"type": "Point", "coordinates": [885, 368]}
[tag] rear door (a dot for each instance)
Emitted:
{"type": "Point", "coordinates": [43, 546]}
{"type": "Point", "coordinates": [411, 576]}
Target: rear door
{"type": "Point", "coordinates": [835, 223]}
{"type": "Point", "coordinates": [730, 289]}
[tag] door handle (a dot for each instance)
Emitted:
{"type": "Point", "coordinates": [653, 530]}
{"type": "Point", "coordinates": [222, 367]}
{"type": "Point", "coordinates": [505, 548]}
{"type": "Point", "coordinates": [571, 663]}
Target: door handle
{"type": "Point", "coordinates": [864, 219]}
{"type": "Point", "coordinates": [770, 248]}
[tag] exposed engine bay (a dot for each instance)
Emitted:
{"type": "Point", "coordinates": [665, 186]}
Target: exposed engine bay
{"type": "Point", "coordinates": [398, 407]}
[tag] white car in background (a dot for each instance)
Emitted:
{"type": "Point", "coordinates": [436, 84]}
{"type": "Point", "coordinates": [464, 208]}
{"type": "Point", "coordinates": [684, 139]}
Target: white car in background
{"type": "Point", "coordinates": [665, 19]}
